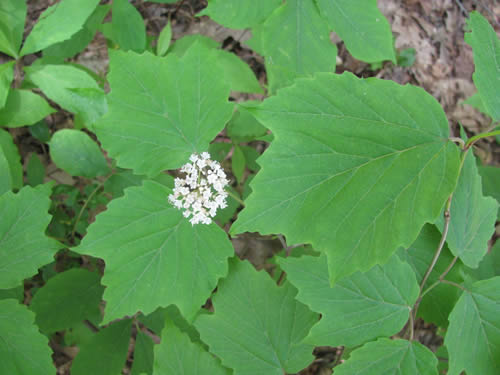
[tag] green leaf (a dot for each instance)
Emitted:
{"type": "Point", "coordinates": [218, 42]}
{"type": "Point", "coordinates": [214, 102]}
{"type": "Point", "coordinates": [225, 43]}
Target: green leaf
{"type": "Point", "coordinates": [225, 215]}
{"type": "Point", "coordinates": [67, 299]}
{"type": "Point", "coordinates": [40, 131]}
{"type": "Point", "coordinates": [239, 14]}
{"type": "Point", "coordinates": [129, 31]}
{"type": "Point", "coordinates": [105, 353]}
{"type": "Point", "coordinates": [438, 303]}
{"type": "Point", "coordinates": [236, 71]}
{"type": "Point", "coordinates": [363, 28]}
{"type": "Point", "coordinates": [16, 293]}
{"type": "Point", "coordinates": [71, 88]}
{"type": "Point", "coordinates": [35, 171]}
{"type": "Point", "coordinates": [117, 183]}
{"type": "Point", "coordinates": [12, 17]}
{"type": "Point", "coordinates": [473, 337]}
{"type": "Point", "coordinates": [384, 356]}
{"type": "Point", "coordinates": [164, 40]}
{"type": "Point", "coordinates": [15, 115]}
{"type": "Point", "coordinates": [143, 355]}
{"type": "Point", "coordinates": [257, 327]}
{"type": "Point", "coordinates": [472, 216]}
{"type": "Point", "coordinates": [296, 42]}
{"type": "Point", "coordinates": [77, 154]}
{"type": "Point", "coordinates": [238, 163]}
{"type": "Point", "coordinates": [149, 127]}
{"type": "Point", "coordinates": [6, 77]}
{"type": "Point", "coordinates": [374, 169]}
{"type": "Point", "coordinates": [23, 350]}
{"type": "Point", "coordinates": [23, 245]}
{"type": "Point", "coordinates": [489, 266]}
{"type": "Point", "coordinates": [486, 47]}
{"type": "Point", "coordinates": [176, 354]}
{"type": "Point", "coordinates": [476, 102]}
{"type": "Point", "coordinates": [357, 309]}
{"type": "Point", "coordinates": [12, 169]}
{"type": "Point", "coordinates": [58, 23]}
{"type": "Point", "coordinates": [490, 177]}
{"type": "Point", "coordinates": [244, 127]}
{"type": "Point", "coordinates": [79, 41]}
{"type": "Point", "coordinates": [154, 256]}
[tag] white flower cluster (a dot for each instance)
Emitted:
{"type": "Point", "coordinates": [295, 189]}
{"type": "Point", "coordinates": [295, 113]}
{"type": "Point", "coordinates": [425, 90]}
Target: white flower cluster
{"type": "Point", "coordinates": [201, 192]}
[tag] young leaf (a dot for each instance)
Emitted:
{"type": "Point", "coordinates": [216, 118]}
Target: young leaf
{"type": "Point", "coordinates": [71, 88]}
{"type": "Point", "coordinates": [23, 350]}
{"type": "Point", "coordinates": [81, 39]}
{"type": "Point", "coordinates": [473, 336]}
{"type": "Point", "coordinates": [129, 31]}
{"type": "Point", "coordinates": [105, 353]}
{"type": "Point", "coordinates": [176, 354]}
{"type": "Point", "coordinates": [23, 244]}
{"type": "Point", "coordinates": [12, 17]}
{"type": "Point", "coordinates": [363, 28]}
{"type": "Point", "coordinates": [14, 113]}
{"type": "Point", "coordinates": [239, 14]}
{"type": "Point", "coordinates": [472, 216]}
{"type": "Point", "coordinates": [357, 309]}
{"type": "Point", "coordinates": [35, 171]}
{"type": "Point", "coordinates": [154, 256]}
{"type": "Point", "coordinates": [6, 77]}
{"type": "Point", "coordinates": [486, 47]}
{"type": "Point", "coordinates": [58, 23]}
{"type": "Point", "coordinates": [384, 356]}
{"type": "Point", "coordinates": [77, 154]}
{"type": "Point", "coordinates": [12, 173]}
{"type": "Point", "coordinates": [352, 189]}
{"type": "Point", "coordinates": [164, 40]}
{"type": "Point", "coordinates": [296, 42]}
{"type": "Point", "coordinates": [257, 327]}
{"type": "Point", "coordinates": [161, 110]}
{"type": "Point", "coordinates": [67, 299]}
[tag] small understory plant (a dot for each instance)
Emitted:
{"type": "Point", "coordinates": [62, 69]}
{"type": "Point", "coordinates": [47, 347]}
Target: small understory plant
{"type": "Point", "coordinates": [118, 230]}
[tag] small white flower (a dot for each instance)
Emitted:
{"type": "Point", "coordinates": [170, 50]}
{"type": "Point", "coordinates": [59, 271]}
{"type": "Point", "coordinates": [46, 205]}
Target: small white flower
{"type": "Point", "coordinates": [201, 192]}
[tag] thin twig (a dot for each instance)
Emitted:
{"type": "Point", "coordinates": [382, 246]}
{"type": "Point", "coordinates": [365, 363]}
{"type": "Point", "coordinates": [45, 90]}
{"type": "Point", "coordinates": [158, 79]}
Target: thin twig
{"type": "Point", "coordinates": [454, 284]}
{"type": "Point", "coordinates": [464, 11]}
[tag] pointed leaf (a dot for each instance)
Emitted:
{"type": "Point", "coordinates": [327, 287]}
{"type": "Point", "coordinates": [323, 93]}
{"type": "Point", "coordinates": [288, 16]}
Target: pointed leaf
{"type": "Point", "coordinates": [473, 336]}
{"type": "Point", "coordinates": [35, 171]}
{"type": "Point", "coordinates": [23, 245]}
{"type": "Point", "coordinates": [77, 154]}
{"type": "Point", "coordinates": [12, 17]}
{"type": "Point", "coordinates": [58, 23]}
{"type": "Point", "coordinates": [296, 42]}
{"type": "Point", "coordinates": [271, 324]}
{"type": "Point", "coordinates": [161, 110]}
{"type": "Point", "coordinates": [489, 266]}
{"type": "Point", "coordinates": [472, 216]}
{"type": "Point", "coordinates": [356, 174]}
{"type": "Point", "coordinates": [143, 355]}
{"type": "Point", "coordinates": [105, 353]}
{"type": "Point", "coordinates": [12, 169]}
{"type": "Point", "coordinates": [490, 178]}
{"type": "Point", "coordinates": [71, 88]}
{"type": "Point", "coordinates": [176, 354]}
{"type": "Point", "coordinates": [14, 114]}
{"type": "Point", "coordinates": [384, 356]}
{"type": "Point", "coordinates": [67, 299]}
{"type": "Point", "coordinates": [6, 77]}
{"type": "Point", "coordinates": [486, 47]}
{"type": "Point", "coordinates": [239, 14]}
{"type": "Point", "coordinates": [164, 40]}
{"type": "Point", "coordinates": [438, 303]}
{"type": "Point", "coordinates": [362, 27]}
{"type": "Point", "coordinates": [357, 309]}
{"type": "Point", "coordinates": [154, 256]}
{"type": "Point", "coordinates": [23, 350]}
{"type": "Point", "coordinates": [129, 30]}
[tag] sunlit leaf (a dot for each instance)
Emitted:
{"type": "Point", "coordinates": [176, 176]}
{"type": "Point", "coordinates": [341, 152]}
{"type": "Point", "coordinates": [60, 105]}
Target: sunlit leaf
{"type": "Point", "coordinates": [12, 18]}
{"type": "Point", "coordinates": [356, 169]}
{"type": "Point", "coordinates": [14, 113]}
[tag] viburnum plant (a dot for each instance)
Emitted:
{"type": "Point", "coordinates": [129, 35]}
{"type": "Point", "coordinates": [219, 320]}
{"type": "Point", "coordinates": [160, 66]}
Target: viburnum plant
{"type": "Point", "coordinates": [379, 208]}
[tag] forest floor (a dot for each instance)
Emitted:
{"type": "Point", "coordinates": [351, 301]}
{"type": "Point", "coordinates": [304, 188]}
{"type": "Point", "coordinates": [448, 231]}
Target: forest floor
{"type": "Point", "coordinates": [443, 67]}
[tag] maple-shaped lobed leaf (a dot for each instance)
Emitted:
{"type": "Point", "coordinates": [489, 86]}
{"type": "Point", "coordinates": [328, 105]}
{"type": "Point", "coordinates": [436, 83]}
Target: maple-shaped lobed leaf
{"type": "Point", "coordinates": [357, 167]}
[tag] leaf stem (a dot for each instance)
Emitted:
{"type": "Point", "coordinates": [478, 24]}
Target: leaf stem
{"type": "Point", "coordinates": [235, 197]}
{"type": "Point", "coordinates": [477, 137]}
